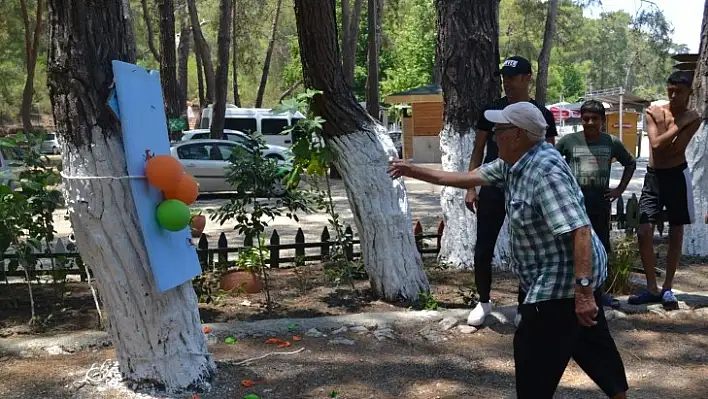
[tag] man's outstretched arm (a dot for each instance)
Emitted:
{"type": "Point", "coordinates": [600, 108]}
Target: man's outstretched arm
{"type": "Point", "coordinates": [469, 179]}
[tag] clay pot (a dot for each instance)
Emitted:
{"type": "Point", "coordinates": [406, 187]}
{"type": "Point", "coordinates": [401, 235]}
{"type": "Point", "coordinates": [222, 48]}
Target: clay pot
{"type": "Point", "coordinates": [197, 225]}
{"type": "Point", "coordinates": [238, 281]}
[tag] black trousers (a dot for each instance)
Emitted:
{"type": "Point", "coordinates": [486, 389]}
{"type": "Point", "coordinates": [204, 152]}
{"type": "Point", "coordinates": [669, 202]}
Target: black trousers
{"type": "Point", "coordinates": [600, 222]}
{"type": "Point", "coordinates": [491, 212]}
{"type": "Point", "coordinates": [549, 336]}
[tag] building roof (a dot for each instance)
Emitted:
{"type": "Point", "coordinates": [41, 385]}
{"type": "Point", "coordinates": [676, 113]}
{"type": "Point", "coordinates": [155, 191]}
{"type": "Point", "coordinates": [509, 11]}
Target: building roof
{"type": "Point", "coordinates": [612, 96]}
{"type": "Point", "coordinates": [427, 93]}
{"type": "Point", "coordinates": [685, 57]}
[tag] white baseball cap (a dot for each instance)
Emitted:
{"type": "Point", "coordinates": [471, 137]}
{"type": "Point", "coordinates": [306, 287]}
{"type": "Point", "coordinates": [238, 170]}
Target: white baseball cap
{"type": "Point", "coordinates": [522, 114]}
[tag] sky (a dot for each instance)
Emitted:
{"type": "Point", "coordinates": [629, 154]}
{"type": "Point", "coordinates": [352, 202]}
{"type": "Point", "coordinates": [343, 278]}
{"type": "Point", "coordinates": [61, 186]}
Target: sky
{"type": "Point", "coordinates": [686, 16]}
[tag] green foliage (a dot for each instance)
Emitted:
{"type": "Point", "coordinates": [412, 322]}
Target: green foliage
{"type": "Point", "coordinates": [624, 256]}
{"type": "Point", "coordinates": [427, 301]}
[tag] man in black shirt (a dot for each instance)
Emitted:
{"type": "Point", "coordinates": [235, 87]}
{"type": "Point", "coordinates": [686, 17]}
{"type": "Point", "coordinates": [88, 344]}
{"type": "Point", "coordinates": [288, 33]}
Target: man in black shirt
{"type": "Point", "coordinates": [489, 203]}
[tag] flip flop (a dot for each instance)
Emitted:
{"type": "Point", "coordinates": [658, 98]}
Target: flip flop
{"type": "Point", "coordinates": [608, 300]}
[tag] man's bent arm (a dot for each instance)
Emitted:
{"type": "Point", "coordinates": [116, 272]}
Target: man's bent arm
{"type": "Point", "coordinates": [453, 179]}
{"type": "Point", "coordinates": [582, 252]}
{"type": "Point", "coordinates": [627, 176]}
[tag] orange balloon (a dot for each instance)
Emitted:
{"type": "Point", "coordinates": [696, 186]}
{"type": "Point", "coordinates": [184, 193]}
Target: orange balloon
{"type": "Point", "coordinates": [163, 172]}
{"type": "Point", "coordinates": [186, 190]}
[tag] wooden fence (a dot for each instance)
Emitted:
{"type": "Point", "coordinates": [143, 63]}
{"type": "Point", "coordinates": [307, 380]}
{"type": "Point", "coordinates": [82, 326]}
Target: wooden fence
{"type": "Point", "coordinates": [280, 254]}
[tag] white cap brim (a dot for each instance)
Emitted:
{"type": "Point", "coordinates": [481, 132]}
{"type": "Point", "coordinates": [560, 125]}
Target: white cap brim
{"type": "Point", "coordinates": [496, 116]}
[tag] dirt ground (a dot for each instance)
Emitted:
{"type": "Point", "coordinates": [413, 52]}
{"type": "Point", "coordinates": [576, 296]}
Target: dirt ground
{"type": "Point", "coordinates": [664, 358]}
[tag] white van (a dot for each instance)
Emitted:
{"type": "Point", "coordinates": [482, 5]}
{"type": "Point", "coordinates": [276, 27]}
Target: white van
{"type": "Point", "coordinates": [261, 120]}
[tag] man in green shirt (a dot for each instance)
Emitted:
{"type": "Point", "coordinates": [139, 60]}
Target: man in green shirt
{"type": "Point", "coordinates": [590, 154]}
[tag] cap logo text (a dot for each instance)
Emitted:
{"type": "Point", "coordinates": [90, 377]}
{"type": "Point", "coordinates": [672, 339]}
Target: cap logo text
{"type": "Point", "coordinates": [511, 63]}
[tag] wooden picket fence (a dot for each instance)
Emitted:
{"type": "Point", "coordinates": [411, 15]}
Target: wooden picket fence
{"type": "Point", "coordinates": [280, 254]}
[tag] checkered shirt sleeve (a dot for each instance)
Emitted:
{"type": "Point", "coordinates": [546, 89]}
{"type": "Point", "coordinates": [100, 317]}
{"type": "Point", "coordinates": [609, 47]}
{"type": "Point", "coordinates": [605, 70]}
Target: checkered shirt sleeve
{"type": "Point", "coordinates": [561, 203]}
{"type": "Point", "coordinates": [494, 173]}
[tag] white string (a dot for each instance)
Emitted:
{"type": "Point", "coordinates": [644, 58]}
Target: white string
{"type": "Point", "coordinates": [243, 362]}
{"type": "Point", "coordinates": [64, 175]}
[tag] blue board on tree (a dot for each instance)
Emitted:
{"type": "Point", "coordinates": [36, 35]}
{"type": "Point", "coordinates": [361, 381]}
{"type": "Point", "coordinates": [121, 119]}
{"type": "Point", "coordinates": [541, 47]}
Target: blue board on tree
{"type": "Point", "coordinates": [138, 102]}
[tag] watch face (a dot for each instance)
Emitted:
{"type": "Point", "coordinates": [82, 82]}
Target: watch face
{"type": "Point", "coordinates": [584, 282]}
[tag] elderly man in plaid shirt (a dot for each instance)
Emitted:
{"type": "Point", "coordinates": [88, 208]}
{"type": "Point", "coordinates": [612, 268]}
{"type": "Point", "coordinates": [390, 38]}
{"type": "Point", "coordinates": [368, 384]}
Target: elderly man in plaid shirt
{"type": "Point", "coordinates": [560, 262]}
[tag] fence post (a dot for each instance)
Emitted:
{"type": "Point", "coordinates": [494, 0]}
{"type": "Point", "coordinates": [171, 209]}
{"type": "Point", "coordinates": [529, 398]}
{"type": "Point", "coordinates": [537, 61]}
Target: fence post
{"type": "Point", "coordinates": [441, 229]}
{"type": "Point", "coordinates": [621, 216]}
{"type": "Point", "coordinates": [274, 250]}
{"type": "Point", "coordinates": [248, 241]}
{"type": "Point", "coordinates": [632, 214]}
{"type": "Point", "coordinates": [324, 248]}
{"type": "Point", "coordinates": [203, 246]}
{"type": "Point", "coordinates": [299, 239]}
{"type": "Point", "coordinates": [349, 249]}
{"type": "Point", "coordinates": [418, 236]}
{"type": "Point", "coordinates": [222, 244]}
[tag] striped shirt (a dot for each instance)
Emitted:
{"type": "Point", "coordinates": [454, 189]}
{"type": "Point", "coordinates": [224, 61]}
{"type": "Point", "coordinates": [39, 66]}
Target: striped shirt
{"type": "Point", "coordinates": [544, 204]}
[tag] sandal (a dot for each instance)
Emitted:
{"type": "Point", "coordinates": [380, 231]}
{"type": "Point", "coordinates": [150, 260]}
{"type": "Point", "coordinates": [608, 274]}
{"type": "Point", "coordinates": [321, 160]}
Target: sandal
{"type": "Point", "coordinates": [644, 297]}
{"type": "Point", "coordinates": [608, 300]}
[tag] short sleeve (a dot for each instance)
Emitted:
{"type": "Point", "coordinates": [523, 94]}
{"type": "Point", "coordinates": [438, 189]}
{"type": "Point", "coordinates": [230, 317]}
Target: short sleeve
{"type": "Point", "coordinates": [620, 152]}
{"type": "Point", "coordinates": [560, 202]}
{"type": "Point", "coordinates": [494, 173]}
{"type": "Point", "coordinates": [483, 123]}
{"type": "Point", "coordinates": [551, 131]}
{"type": "Point", "coordinates": [561, 144]}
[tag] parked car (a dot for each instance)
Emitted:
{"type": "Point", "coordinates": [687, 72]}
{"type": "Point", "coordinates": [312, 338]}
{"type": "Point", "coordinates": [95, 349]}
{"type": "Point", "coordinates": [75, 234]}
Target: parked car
{"type": "Point", "coordinates": [50, 144]}
{"type": "Point", "coordinates": [270, 151]}
{"type": "Point", "coordinates": [208, 162]}
{"type": "Point", "coordinates": [10, 167]}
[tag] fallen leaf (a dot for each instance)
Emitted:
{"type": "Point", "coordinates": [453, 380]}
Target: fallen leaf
{"type": "Point", "coordinates": [206, 330]}
{"type": "Point", "coordinates": [285, 344]}
{"type": "Point", "coordinates": [297, 338]}
{"type": "Point", "coordinates": [247, 383]}
{"type": "Point", "coordinates": [270, 341]}
{"type": "Point", "coordinates": [292, 326]}
{"type": "Point", "coordinates": [230, 340]}
{"type": "Point", "coordinates": [251, 396]}
{"type": "Point", "coordinates": [195, 396]}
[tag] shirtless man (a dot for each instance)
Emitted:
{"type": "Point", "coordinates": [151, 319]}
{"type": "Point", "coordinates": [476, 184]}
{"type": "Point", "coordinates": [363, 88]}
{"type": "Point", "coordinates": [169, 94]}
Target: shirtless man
{"type": "Point", "coordinates": [667, 184]}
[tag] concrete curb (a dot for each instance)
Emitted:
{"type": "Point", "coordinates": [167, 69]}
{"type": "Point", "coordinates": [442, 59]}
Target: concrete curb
{"type": "Point", "coordinates": [74, 342]}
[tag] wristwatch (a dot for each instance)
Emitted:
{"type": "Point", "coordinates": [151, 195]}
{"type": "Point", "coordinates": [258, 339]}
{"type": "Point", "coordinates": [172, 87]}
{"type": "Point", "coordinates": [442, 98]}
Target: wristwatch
{"type": "Point", "coordinates": [583, 281]}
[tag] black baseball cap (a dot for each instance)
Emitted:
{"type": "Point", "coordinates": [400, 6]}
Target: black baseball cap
{"type": "Point", "coordinates": [515, 66]}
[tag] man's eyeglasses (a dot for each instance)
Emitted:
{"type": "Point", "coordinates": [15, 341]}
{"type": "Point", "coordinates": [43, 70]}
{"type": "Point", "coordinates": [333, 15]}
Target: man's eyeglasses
{"type": "Point", "coordinates": [497, 130]}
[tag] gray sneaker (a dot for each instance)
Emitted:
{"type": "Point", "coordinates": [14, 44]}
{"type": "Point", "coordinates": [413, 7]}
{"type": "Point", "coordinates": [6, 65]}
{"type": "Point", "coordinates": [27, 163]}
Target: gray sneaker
{"type": "Point", "coordinates": [669, 301]}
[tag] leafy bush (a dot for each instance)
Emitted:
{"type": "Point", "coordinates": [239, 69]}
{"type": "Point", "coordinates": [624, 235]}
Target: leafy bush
{"type": "Point", "coordinates": [624, 257]}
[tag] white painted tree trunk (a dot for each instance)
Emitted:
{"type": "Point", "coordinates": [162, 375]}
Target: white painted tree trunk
{"type": "Point", "coordinates": [157, 336]}
{"type": "Point", "coordinates": [458, 240]}
{"type": "Point", "coordinates": [381, 214]}
{"type": "Point", "coordinates": [502, 250]}
{"type": "Point", "coordinates": [695, 241]}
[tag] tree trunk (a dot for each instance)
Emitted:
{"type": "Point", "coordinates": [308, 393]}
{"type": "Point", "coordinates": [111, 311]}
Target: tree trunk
{"type": "Point", "coordinates": [346, 21]}
{"type": "Point", "coordinates": [269, 54]}
{"type": "Point", "coordinates": [200, 78]}
{"type": "Point", "coordinates": [374, 38]}
{"type": "Point", "coordinates": [157, 336]}
{"type": "Point", "coordinates": [468, 48]}
{"type": "Point", "coordinates": [201, 45]}
{"type": "Point", "coordinates": [31, 48]}
{"type": "Point", "coordinates": [362, 149]}
{"type": "Point", "coordinates": [234, 57]}
{"type": "Point", "coordinates": [185, 38]}
{"type": "Point", "coordinates": [695, 240]}
{"type": "Point", "coordinates": [545, 56]}
{"type": "Point", "coordinates": [222, 69]}
{"type": "Point", "coordinates": [175, 105]}
{"type": "Point", "coordinates": [150, 31]}
{"type": "Point", "coordinates": [289, 91]}
{"type": "Point", "coordinates": [349, 50]}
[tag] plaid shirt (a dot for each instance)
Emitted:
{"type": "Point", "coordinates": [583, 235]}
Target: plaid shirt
{"type": "Point", "coordinates": [544, 204]}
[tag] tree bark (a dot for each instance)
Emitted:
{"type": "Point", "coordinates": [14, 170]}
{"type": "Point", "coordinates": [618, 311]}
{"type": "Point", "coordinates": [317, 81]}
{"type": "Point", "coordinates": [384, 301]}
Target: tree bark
{"type": "Point", "coordinates": [157, 336]}
{"type": "Point", "coordinates": [362, 149]}
{"type": "Point", "coordinates": [175, 104]}
{"type": "Point", "coordinates": [150, 31]}
{"type": "Point", "coordinates": [468, 48]}
{"type": "Point", "coordinates": [222, 69]}
{"type": "Point", "coordinates": [349, 49]}
{"type": "Point", "coordinates": [201, 45]}
{"type": "Point", "coordinates": [695, 240]}
{"type": "Point", "coordinates": [374, 37]}
{"type": "Point", "coordinates": [31, 49]}
{"type": "Point", "coordinates": [269, 55]}
{"type": "Point", "coordinates": [234, 57]}
{"type": "Point", "coordinates": [346, 21]}
{"type": "Point", "coordinates": [200, 79]}
{"type": "Point", "coordinates": [545, 56]}
{"type": "Point", "coordinates": [185, 38]}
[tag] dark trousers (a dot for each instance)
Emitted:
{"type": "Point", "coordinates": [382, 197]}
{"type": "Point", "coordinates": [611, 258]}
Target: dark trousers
{"type": "Point", "coordinates": [549, 335]}
{"type": "Point", "coordinates": [491, 212]}
{"type": "Point", "coordinates": [600, 222]}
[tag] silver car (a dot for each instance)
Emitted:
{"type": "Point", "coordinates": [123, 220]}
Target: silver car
{"type": "Point", "coordinates": [10, 168]}
{"type": "Point", "coordinates": [270, 151]}
{"type": "Point", "coordinates": [208, 162]}
{"type": "Point", "coordinates": [50, 144]}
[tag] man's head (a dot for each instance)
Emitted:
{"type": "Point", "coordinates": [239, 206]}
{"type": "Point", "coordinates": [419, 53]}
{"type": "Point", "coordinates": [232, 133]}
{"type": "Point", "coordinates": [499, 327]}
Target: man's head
{"type": "Point", "coordinates": [517, 128]}
{"type": "Point", "coordinates": [516, 77]}
{"type": "Point", "coordinates": [679, 88]}
{"type": "Point", "coordinates": [592, 113]}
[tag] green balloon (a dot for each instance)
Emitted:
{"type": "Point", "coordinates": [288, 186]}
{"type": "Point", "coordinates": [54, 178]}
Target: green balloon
{"type": "Point", "coordinates": [173, 215]}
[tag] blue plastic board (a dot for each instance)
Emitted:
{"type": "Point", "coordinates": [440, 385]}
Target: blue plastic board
{"type": "Point", "coordinates": [142, 115]}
